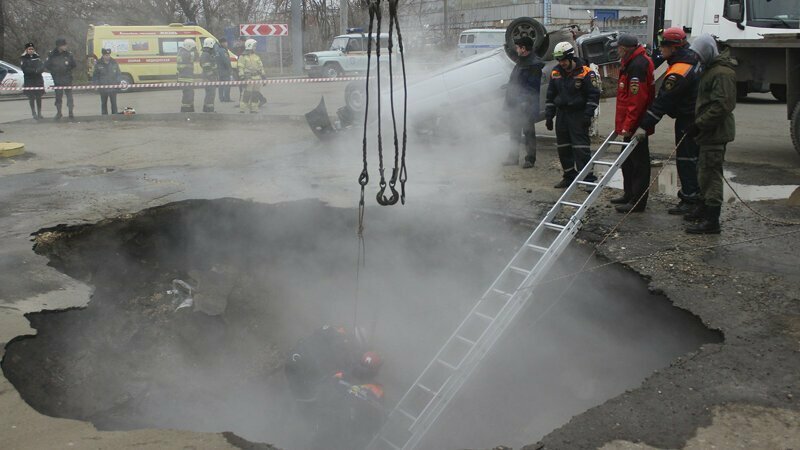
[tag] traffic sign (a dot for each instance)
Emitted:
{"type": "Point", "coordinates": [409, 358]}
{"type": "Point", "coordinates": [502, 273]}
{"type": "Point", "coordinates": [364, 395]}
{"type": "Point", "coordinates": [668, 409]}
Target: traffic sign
{"type": "Point", "coordinates": [264, 29]}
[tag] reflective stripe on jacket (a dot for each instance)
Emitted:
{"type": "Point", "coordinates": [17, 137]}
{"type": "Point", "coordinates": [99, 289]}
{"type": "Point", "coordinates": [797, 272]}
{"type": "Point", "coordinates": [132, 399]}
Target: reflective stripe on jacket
{"type": "Point", "coordinates": [678, 93]}
{"type": "Point", "coordinates": [185, 66]}
{"type": "Point", "coordinates": [250, 66]}
{"type": "Point", "coordinates": [578, 89]}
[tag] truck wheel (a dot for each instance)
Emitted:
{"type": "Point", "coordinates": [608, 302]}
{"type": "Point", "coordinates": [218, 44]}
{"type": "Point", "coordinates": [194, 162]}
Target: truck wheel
{"type": "Point", "coordinates": [525, 26]}
{"type": "Point", "coordinates": [795, 127]}
{"type": "Point", "coordinates": [355, 95]}
{"type": "Point", "coordinates": [778, 91]}
{"type": "Point", "coordinates": [331, 70]}
{"type": "Point", "coordinates": [126, 82]}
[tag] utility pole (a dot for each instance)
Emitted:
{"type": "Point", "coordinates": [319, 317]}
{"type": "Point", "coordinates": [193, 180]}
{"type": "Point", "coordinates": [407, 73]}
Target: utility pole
{"type": "Point", "coordinates": [344, 10]}
{"type": "Point", "coordinates": [296, 31]}
{"type": "Point", "coordinates": [444, 23]}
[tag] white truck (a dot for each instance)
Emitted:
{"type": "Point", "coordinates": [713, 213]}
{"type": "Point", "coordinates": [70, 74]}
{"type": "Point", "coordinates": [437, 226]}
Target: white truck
{"type": "Point", "coordinates": [763, 36]}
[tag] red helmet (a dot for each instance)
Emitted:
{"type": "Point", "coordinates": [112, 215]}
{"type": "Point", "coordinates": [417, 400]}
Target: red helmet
{"type": "Point", "coordinates": [371, 362]}
{"type": "Point", "coordinates": [673, 37]}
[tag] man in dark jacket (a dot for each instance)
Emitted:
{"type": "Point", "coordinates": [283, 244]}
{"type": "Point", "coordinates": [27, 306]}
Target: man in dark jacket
{"type": "Point", "coordinates": [208, 63]}
{"type": "Point", "coordinates": [60, 63]}
{"type": "Point", "coordinates": [572, 97]}
{"type": "Point", "coordinates": [107, 73]}
{"type": "Point", "coordinates": [635, 93]}
{"type": "Point", "coordinates": [225, 69]}
{"type": "Point", "coordinates": [522, 100]}
{"type": "Point", "coordinates": [713, 128]}
{"type": "Point", "coordinates": [32, 68]}
{"type": "Point", "coordinates": [677, 98]}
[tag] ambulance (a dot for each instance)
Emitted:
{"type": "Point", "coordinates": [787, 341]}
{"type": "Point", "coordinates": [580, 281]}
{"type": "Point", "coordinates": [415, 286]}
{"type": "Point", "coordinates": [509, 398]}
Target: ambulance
{"type": "Point", "coordinates": [146, 54]}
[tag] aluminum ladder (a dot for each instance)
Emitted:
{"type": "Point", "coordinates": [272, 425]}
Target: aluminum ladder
{"type": "Point", "coordinates": [442, 378]}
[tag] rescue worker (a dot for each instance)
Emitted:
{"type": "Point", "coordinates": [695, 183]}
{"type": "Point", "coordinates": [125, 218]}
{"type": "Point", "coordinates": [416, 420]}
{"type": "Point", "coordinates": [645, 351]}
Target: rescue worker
{"type": "Point", "coordinates": [677, 98]}
{"type": "Point", "coordinates": [186, 59]}
{"type": "Point", "coordinates": [208, 62]}
{"type": "Point", "coordinates": [713, 128]}
{"type": "Point", "coordinates": [522, 100]}
{"type": "Point", "coordinates": [635, 93]}
{"type": "Point", "coordinates": [572, 97]}
{"type": "Point", "coordinates": [32, 68]}
{"type": "Point", "coordinates": [250, 69]}
{"type": "Point", "coordinates": [225, 68]}
{"type": "Point", "coordinates": [106, 72]}
{"type": "Point", "coordinates": [347, 415]}
{"type": "Point", "coordinates": [60, 63]}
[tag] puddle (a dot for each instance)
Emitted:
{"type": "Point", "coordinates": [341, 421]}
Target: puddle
{"type": "Point", "coordinates": [669, 184]}
{"type": "Point", "coordinates": [269, 275]}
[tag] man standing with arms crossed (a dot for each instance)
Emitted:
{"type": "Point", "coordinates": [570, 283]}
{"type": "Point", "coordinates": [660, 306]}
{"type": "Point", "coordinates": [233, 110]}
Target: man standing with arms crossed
{"type": "Point", "coordinates": [635, 92]}
{"type": "Point", "coordinates": [572, 97]}
{"type": "Point", "coordinates": [677, 98]}
{"type": "Point", "coordinates": [522, 100]}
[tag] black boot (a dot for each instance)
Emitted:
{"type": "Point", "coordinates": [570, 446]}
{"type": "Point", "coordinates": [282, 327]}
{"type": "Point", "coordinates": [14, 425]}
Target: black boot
{"type": "Point", "coordinates": [683, 207]}
{"type": "Point", "coordinates": [697, 212]}
{"type": "Point", "coordinates": [621, 200]}
{"type": "Point", "coordinates": [630, 207]}
{"type": "Point", "coordinates": [709, 224]}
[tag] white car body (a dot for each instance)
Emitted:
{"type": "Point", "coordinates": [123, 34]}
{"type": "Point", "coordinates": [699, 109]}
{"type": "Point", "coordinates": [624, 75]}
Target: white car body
{"type": "Point", "coordinates": [480, 40]}
{"type": "Point", "coordinates": [15, 79]}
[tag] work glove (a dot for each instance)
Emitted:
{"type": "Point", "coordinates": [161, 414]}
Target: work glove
{"type": "Point", "coordinates": [692, 130]}
{"type": "Point", "coordinates": [640, 134]}
{"type": "Point", "coordinates": [549, 124]}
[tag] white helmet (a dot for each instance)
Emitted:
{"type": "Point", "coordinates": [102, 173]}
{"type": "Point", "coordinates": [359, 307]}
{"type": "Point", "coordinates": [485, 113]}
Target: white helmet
{"type": "Point", "coordinates": [189, 44]}
{"type": "Point", "coordinates": [250, 44]}
{"type": "Point", "coordinates": [209, 43]}
{"type": "Point", "coordinates": [563, 50]}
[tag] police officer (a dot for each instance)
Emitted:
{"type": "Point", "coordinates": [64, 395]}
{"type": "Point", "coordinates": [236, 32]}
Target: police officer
{"type": "Point", "coordinates": [60, 64]}
{"type": "Point", "coordinates": [572, 97]}
{"type": "Point", "coordinates": [208, 62]}
{"type": "Point", "coordinates": [32, 68]}
{"type": "Point", "coordinates": [713, 128]}
{"type": "Point", "coordinates": [522, 100]}
{"type": "Point", "coordinates": [635, 93]}
{"type": "Point", "coordinates": [106, 72]}
{"type": "Point", "coordinates": [186, 59]}
{"type": "Point", "coordinates": [250, 69]}
{"type": "Point", "coordinates": [677, 98]}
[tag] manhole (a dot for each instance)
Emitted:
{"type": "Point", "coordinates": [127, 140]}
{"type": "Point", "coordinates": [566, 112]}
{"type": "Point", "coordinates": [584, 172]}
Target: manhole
{"type": "Point", "coordinates": [268, 275]}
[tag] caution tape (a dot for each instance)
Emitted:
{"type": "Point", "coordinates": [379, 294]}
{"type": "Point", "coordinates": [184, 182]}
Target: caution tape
{"type": "Point", "coordinates": [89, 87]}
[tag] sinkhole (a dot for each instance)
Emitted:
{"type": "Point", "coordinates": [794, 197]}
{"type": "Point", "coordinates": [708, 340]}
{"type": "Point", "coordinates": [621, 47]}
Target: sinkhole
{"type": "Point", "coordinates": [265, 276]}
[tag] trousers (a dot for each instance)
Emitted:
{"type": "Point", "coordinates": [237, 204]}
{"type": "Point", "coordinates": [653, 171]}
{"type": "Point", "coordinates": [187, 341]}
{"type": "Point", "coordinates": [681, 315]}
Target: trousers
{"type": "Point", "coordinates": [710, 173]}
{"type": "Point", "coordinates": [636, 173]}
{"type": "Point", "coordinates": [572, 141]}
{"type": "Point", "coordinates": [686, 160]}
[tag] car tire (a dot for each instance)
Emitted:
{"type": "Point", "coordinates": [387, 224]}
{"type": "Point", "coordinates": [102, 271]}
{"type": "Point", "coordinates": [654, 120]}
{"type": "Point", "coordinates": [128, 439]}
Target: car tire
{"type": "Point", "coordinates": [778, 91]}
{"type": "Point", "coordinates": [331, 70]}
{"type": "Point", "coordinates": [355, 96]}
{"type": "Point", "coordinates": [126, 82]}
{"type": "Point", "coordinates": [794, 126]}
{"type": "Point", "coordinates": [525, 26]}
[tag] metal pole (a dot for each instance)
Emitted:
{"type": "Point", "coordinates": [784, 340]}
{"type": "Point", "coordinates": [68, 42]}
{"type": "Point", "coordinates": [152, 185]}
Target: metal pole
{"type": "Point", "coordinates": [296, 31]}
{"type": "Point", "coordinates": [280, 52]}
{"type": "Point", "coordinates": [344, 10]}
{"type": "Point", "coordinates": [548, 12]}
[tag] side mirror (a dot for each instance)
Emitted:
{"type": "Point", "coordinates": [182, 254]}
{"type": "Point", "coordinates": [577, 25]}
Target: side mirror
{"type": "Point", "coordinates": [734, 11]}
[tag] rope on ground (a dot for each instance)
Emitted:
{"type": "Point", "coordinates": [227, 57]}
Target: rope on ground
{"type": "Point", "coordinates": [746, 205]}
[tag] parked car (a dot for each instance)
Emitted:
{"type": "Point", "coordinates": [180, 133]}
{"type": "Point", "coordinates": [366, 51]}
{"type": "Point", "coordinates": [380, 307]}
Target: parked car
{"type": "Point", "coordinates": [479, 40]}
{"type": "Point", "coordinates": [15, 79]}
{"type": "Point", "coordinates": [347, 55]}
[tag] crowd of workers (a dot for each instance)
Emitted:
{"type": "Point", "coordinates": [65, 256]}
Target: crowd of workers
{"type": "Point", "coordinates": [214, 61]}
{"type": "Point", "coordinates": [698, 91]}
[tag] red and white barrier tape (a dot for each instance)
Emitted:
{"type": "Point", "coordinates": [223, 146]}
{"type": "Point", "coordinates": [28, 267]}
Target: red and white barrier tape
{"type": "Point", "coordinates": [88, 87]}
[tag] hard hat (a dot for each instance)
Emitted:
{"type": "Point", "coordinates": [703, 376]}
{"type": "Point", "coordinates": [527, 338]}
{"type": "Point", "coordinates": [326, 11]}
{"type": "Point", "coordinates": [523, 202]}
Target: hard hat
{"type": "Point", "coordinates": [208, 43]}
{"type": "Point", "coordinates": [563, 50]}
{"type": "Point", "coordinates": [370, 363]}
{"type": "Point", "coordinates": [189, 44]}
{"type": "Point", "coordinates": [250, 44]}
{"type": "Point", "coordinates": [674, 36]}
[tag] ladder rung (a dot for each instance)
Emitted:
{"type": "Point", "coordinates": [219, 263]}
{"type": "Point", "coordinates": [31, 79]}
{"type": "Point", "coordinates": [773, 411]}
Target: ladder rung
{"type": "Point", "coordinates": [622, 143]}
{"type": "Point", "coordinates": [604, 163]}
{"type": "Point", "coordinates": [426, 389]}
{"type": "Point", "coordinates": [554, 226]}
{"type": "Point", "coordinates": [484, 316]}
{"type": "Point", "coordinates": [393, 446]}
{"type": "Point", "coordinates": [446, 364]}
{"type": "Point", "coordinates": [498, 291]}
{"type": "Point", "coordinates": [574, 205]}
{"type": "Point", "coordinates": [520, 270]}
{"type": "Point", "coordinates": [463, 339]}
{"type": "Point", "coordinates": [407, 414]}
{"type": "Point", "coordinates": [538, 248]}
{"type": "Point", "coordinates": [588, 183]}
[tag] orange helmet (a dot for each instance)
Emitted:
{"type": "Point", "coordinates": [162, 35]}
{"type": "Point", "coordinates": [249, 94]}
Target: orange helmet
{"type": "Point", "coordinates": [672, 37]}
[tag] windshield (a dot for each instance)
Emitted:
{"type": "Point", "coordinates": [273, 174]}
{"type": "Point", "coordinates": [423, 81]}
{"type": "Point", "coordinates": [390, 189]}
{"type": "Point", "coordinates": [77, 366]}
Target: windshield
{"type": "Point", "coordinates": [780, 13]}
{"type": "Point", "coordinates": [339, 43]}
